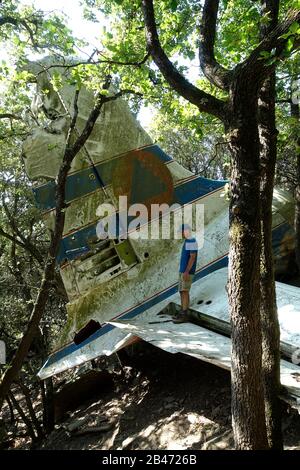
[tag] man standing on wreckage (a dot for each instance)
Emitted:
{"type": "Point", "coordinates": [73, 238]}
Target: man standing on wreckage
{"type": "Point", "coordinates": [187, 267]}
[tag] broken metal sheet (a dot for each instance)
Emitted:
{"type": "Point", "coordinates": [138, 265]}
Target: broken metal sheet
{"type": "Point", "coordinates": [210, 292]}
{"type": "Point", "coordinates": [209, 296]}
{"type": "Point", "coordinates": [116, 130]}
{"type": "Point", "coordinates": [103, 342]}
{"type": "Point", "coordinates": [185, 338]}
{"type": "Point", "coordinates": [193, 340]}
{"type": "Point", "coordinates": [154, 277]}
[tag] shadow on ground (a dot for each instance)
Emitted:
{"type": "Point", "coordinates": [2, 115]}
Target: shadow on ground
{"type": "Point", "coordinates": [161, 401]}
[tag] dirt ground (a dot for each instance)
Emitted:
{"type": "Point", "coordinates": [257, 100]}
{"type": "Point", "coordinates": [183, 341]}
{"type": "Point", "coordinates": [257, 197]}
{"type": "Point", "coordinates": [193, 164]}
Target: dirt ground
{"type": "Point", "coordinates": [161, 401]}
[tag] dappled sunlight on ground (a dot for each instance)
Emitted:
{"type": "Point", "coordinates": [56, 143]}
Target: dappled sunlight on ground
{"type": "Point", "coordinates": [159, 401]}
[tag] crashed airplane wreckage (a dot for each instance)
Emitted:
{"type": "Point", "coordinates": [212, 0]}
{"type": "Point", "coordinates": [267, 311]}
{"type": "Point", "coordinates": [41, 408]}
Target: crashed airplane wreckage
{"type": "Point", "coordinates": [124, 288]}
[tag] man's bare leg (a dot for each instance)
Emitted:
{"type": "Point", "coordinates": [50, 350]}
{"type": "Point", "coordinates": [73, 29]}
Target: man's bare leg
{"type": "Point", "coordinates": [182, 298]}
{"type": "Point", "coordinates": [185, 299]}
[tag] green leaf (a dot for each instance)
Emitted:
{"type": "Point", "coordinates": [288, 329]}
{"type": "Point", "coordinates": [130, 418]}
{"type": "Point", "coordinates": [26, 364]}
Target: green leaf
{"type": "Point", "coordinates": [295, 28]}
{"type": "Point", "coordinates": [289, 44]}
{"type": "Point", "coordinates": [173, 5]}
{"type": "Point", "coordinates": [271, 60]}
{"type": "Point", "coordinates": [265, 54]}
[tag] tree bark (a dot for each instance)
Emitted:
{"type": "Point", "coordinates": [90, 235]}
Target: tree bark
{"type": "Point", "coordinates": [22, 414]}
{"type": "Point", "coordinates": [48, 404]}
{"type": "Point", "coordinates": [215, 73]}
{"type": "Point", "coordinates": [35, 422]}
{"type": "Point", "coordinates": [295, 113]}
{"type": "Point", "coordinates": [269, 316]}
{"type": "Point", "coordinates": [239, 115]}
{"type": "Point", "coordinates": [47, 392]}
{"type": "Point", "coordinates": [204, 101]}
{"type": "Point", "coordinates": [11, 410]}
{"type": "Point", "coordinates": [248, 411]}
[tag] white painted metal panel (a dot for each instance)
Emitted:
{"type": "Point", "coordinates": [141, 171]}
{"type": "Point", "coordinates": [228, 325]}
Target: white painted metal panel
{"type": "Point", "coordinates": [198, 342]}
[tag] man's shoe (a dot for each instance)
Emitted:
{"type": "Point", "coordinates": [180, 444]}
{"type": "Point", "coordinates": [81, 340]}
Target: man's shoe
{"type": "Point", "coordinates": [180, 318]}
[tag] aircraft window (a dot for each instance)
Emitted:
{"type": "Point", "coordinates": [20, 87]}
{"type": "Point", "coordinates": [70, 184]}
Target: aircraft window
{"type": "Point", "coordinates": [108, 258]}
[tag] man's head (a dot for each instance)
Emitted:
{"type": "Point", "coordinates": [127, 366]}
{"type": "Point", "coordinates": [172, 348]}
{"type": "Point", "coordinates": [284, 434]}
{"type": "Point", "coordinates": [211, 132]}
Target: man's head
{"type": "Point", "coordinates": [186, 231]}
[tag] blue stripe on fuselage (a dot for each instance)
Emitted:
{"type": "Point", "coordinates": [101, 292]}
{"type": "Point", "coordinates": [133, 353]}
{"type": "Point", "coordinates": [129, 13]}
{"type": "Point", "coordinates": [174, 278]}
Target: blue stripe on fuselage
{"type": "Point", "coordinates": [277, 234]}
{"type": "Point", "coordinates": [73, 245]}
{"type": "Point", "coordinates": [222, 262]}
{"type": "Point", "coordinates": [88, 180]}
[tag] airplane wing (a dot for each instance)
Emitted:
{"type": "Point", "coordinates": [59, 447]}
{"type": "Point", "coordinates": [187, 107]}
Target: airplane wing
{"type": "Point", "coordinates": [209, 298]}
{"type": "Point", "coordinates": [209, 342]}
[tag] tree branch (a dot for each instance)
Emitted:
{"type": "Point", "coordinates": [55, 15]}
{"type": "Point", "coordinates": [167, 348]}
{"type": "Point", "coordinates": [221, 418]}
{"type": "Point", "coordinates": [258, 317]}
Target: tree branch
{"type": "Point", "coordinates": [22, 414]}
{"type": "Point", "coordinates": [255, 64]}
{"type": "Point", "coordinates": [8, 20]}
{"type": "Point", "coordinates": [10, 116]}
{"type": "Point", "coordinates": [105, 60]}
{"type": "Point", "coordinates": [26, 245]}
{"type": "Point", "coordinates": [100, 101]}
{"type": "Point", "coordinates": [11, 238]}
{"type": "Point", "coordinates": [288, 100]}
{"type": "Point", "coordinates": [215, 73]}
{"type": "Point", "coordinates": [24, 23]}
{"type": "Point", "coordinates": [17, 273]}
{"type": "Point", "coordinates": [204, 101]}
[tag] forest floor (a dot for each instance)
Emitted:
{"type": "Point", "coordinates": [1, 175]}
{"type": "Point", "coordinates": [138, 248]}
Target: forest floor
{"type": "Point", "coordinates": [161, 401]}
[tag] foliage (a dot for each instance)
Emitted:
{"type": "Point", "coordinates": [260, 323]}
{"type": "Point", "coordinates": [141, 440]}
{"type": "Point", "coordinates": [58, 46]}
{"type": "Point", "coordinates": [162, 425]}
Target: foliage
{"type": "Point", "coordinates": [194, 139]}
{"type": "Point", "coordinates": [195, 142]}
{"type": "Point", "coordinates": [25, 34]}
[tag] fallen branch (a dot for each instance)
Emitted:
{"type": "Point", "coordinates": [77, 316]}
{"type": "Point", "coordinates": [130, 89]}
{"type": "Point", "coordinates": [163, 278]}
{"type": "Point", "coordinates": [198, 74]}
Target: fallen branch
{"type": "Point", "coordinates": [94, 429]}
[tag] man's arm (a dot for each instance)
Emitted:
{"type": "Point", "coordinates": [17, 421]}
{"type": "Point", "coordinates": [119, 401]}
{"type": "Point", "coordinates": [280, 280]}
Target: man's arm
{"type": "Point", "coordinates": [189, 265]}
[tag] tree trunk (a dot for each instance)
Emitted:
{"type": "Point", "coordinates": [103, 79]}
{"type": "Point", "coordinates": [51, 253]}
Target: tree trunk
{"type": "Point", "coordinates": [14, 368]}
{"type": "Point", "coordinates": [48, 404]}
{"type": "Point", "coordinates": [47, 391]}
{"type": "Point", "coordinates": [35, 422]}
{"type": "Point", "coordinates": [269, 317]}
{"type": "Point", "coordinates": [295, 113]}
{"type": "Point", "coordinates": [22, 414]}
{"type": "Point", "coordinates": [248, 411]}
{"type": "Point", "coordinates": [11, 410]}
